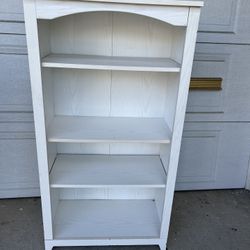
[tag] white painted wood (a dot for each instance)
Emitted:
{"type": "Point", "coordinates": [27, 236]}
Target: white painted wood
{"type": "Point", "coordinates": [164, 155]}
{"type": "Point", "coordinates": [48, 244]}
{"type": "Point", "coordinates": [171, 100]}
{"type": "Point", "coordinates": [110, 63]}
{"type": "Point", "coordinates": [39, 116]}
{"type": "Point", "coordinates": [78, 171]}
{"type": "Point", "coordinates": [104, 93]}
{"type": "Point", "coordinates": [47, 84]}
{"type": "Point", "coordinates": [88, 34]}
{"type": "Point", "coordinates": [109, 148]}
{"type": "Point", "coordinates": [178, 41]}
{"type": "Point", "coordinates": [156, 2]}
{"type": "Point", "coordinates": [104, 242]}
{"type": "Point", "coordinates": [163, 245]}
{"type": "Point", "coordinates": [82, 92]}
{"type": "Point", "coordinates": [105, 103]}
{"type": "Point", "coordinates": [145, 37]}
{"type": "Point", "coordinates": [110, 219]}
{"type": "Point", "coordinates": [110, 193]}
{"type": "Point", "coordinates": [139, 94]}
{"type": "Point", "coordinates": [159, 201]}
{"type": "Point", "coordinates": [118, 94]}
{"type": "Point", "coordinates": [55, 198]}
{"type": "Point", "coordinates": [180, 116]}
{"type": "Point", "coordinates": [51, 9]}
{"type": "Point", "coordinates": [75, 129]}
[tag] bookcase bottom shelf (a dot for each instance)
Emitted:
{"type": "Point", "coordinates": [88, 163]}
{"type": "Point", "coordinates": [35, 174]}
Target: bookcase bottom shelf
{"type": "Point", "coordinates": [106, 219]}
{"type": "Point", "coordinates": [49, 244]}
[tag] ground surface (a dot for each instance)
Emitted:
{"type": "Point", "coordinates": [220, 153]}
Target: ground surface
{"type": "Point", "coordinates": [206, 220]}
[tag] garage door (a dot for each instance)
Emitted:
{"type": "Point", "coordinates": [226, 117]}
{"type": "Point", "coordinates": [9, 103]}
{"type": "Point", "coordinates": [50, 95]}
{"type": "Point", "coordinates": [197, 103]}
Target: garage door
{"type": "Point", "coordinates": [215, 147]}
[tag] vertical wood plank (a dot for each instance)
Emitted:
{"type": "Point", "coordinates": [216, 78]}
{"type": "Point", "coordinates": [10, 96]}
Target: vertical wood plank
{"type": "Point", "coordinates": [187, 62]}
{"type": "Point", "coordinates": [38, 106]}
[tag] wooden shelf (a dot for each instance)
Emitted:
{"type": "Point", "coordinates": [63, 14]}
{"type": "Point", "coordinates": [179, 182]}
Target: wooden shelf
{"type": "Point", "coordinates": [81, 219]}
{"type": "Point", "coordinates": [110, 63]}
{"type": "Point", "coordinates": [75, 129]}
{"type": "Point", "coordinates": [102, 171]}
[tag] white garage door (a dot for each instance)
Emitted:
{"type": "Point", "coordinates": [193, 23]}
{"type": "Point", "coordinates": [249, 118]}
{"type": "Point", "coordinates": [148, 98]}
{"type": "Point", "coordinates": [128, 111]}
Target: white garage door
{"type": "Point", "coordinates": [215, 148]}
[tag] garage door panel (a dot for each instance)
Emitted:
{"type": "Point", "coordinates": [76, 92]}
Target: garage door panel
{"type": "Point", "coordinates": [12, 28]}
{"type": "Point", "coordinates": [15, 92]}
{"type": "Point", "coordinates": [198, 158]}
{"type": "Point", "coordinates": [232, 102]}
{"type": "Point", "coordinates": [219, 16]}
{"type": "Point", "coordinates": [208, 65]}
{"type": "Point", "coordinates": [18, 163]}
{"type": "Point", "coordinates": [225, 21]}
{"type": "Point", "coordinates": [13, 44]}
{"type": "Point", "coordinates": [214, 156]}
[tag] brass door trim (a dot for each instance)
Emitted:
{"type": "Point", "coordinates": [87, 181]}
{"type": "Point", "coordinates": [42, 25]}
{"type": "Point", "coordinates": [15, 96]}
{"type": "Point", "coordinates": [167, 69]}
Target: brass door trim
{"type": "Point", "coordinates": [212, 84]}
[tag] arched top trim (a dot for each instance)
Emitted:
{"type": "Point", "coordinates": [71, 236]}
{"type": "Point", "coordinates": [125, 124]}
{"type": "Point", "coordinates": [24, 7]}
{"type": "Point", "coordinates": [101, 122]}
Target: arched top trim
{"type": "Point", "coordinates": [47, 9]}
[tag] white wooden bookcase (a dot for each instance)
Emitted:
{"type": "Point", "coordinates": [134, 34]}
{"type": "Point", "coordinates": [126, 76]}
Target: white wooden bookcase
{"type": "Point", "coordinates": [110, 82]}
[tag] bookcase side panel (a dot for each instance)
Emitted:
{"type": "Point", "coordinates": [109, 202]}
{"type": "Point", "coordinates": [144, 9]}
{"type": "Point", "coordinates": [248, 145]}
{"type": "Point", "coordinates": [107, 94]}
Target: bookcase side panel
{"type": "Point", "coordinates": [185, 75]}
{"type": "Point", "coordinates": [38, 106]}
{"type": "Point", "coordinates": [47, 85]}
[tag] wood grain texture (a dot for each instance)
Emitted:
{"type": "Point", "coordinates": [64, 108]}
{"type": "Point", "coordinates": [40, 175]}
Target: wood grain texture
{"type": "Point", "coordinates": [110, 63]}
{"type": "Point", "coordinates": [39, 115]}
{"type": "Point", "coordinates": [109, 193]}
{"type": "Point", "coordinates": [156, 2]}
{"type": "Point", "coordinates": [51, 9]}
{"type": "Point", "coordinates": [185, 76]}
{"type": "Point", "coordinates": [103, 33]}
{"type": "Point", "coordinates": [106, 242]}
{"type": "Point", "coordinates": [74, 129]}
{"type": "Point", "coordinates": [105, 99]}
{"type": "Point", "coordinates": [109, 148]}
{"type": "Point", "coordinates": [79, 219]}
{"type": "Point", "coordinates": [104, 93]}
{"type": "Point", "coordinates": [83, 171]}
{"type": "Point", "coordinates": [48, 90]}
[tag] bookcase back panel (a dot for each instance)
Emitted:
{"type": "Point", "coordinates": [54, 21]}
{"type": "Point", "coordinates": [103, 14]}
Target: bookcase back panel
{"type": "Point", "coordinates": [109, 148]}
{"type": "Point", "coordinates": [140, 94]}
{"type": "Point", "coordinates": [82, 92]}
{"type": "Point", "coordinates": [109, 193]}
{"type": "Point", "coordinates": [106, 93]}
{"type": "Point", "coordinates": [75, 92]}
{"type": "Point", "coordinates": [156, 195]}
{"type": "Point", "coordinates": [108, 33]}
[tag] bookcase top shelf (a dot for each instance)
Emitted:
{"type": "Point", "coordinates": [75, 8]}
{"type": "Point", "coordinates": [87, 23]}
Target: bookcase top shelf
{"type": "Point", "coordinates": [191, 3]}
{"type": "Point", "coordinates": [110, 63]}
{"type": "Point", "coordinates": [174, 12]}
{"type": "Point", "coordinates": [75, 129]}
